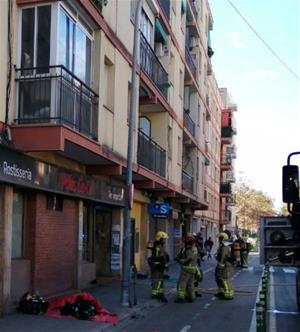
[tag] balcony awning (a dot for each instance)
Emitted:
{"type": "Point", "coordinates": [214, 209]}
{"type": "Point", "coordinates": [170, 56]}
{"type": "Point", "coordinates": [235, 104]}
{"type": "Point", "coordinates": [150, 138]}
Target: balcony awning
{"type": "Point", "coordinates": [161, 32]}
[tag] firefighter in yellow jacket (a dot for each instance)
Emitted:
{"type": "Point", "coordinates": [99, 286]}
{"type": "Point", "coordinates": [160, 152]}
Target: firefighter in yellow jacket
{"type": "Point", "coordinates": [158, 261]}
{"type": "Point", "coordinates": [225, 268]}
{"type": "Point", "coordinates": [189, 269]}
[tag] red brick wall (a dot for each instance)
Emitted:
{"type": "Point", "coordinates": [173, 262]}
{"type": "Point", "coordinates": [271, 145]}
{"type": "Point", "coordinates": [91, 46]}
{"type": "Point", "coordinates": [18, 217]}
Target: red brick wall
{"type": "Point", "coordinates": [55, 254]}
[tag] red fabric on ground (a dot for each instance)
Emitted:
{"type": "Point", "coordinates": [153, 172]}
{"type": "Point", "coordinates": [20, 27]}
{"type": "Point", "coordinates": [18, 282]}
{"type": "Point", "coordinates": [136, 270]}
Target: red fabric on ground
{"type": "Point", "coordinates": [104, 315]}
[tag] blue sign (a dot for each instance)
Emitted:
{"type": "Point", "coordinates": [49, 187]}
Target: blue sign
{"type": "Point", "coordinates": [159, 210]}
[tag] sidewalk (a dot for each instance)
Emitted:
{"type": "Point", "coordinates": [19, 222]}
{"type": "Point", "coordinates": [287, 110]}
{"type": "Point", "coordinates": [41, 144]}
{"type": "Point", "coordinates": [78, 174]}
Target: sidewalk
{"type": "Point", "coordinates": [108, 293]}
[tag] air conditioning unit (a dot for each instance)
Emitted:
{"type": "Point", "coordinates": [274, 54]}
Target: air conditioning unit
{"type": "Point", "coordinates": [193, 42]}
{"type": "Point", "coordinates": [159, 50]}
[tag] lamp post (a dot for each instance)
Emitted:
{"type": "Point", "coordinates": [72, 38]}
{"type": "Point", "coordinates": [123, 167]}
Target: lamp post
{"type": "Point", "coordinates": [125, 299]}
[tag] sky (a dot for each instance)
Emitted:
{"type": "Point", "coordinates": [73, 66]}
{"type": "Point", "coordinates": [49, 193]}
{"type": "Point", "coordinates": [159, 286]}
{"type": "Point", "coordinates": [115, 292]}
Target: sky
{"type": "Point", "coordinates": [266, 93]}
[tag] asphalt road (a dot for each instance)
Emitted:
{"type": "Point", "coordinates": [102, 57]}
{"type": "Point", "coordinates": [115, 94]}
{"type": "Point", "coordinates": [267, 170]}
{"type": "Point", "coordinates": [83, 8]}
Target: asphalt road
{"type": "Point", "coordinates": [209, 313]}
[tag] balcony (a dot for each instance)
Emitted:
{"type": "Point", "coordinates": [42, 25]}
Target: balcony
{"type": "Point", "coordinates": [230, 201]}
{"type": "Point", "coordinates": [187, 182]}
{"type": "Point", "coordinates": [165, 6]}
{"type": "Point", "coordinates": [151, 155]}
{"type": "Point", "coordinates": [226, 160]}
{"type": "Point", "coordinates": [153, 68]}
{"type": "Point", "coordinates": [225, 188]}
{"type": "Point", "coordinates": [55, 95]}
{"type": "Point", "coordinates": [189, 124]}
{"type": "Point", "coordinates": [190, 62]}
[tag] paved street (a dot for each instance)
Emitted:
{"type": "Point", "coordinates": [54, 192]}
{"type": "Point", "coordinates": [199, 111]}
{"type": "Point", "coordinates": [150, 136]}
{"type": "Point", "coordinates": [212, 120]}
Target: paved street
{"type": "Point", "coordinates": [207, 313]}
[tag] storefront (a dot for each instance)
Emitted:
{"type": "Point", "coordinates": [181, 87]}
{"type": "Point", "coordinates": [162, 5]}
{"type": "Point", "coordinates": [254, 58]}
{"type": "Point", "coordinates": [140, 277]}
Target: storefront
{"type": "Point", "coordinates": [55, 223]}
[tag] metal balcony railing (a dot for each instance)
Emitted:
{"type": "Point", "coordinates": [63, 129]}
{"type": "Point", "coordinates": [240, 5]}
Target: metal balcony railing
{"type": "Point", "coordinates": [226, 215]}
{"type": "Point", "coordinates": [226, 160]}
{"type": "Point", "coordinates": [165, 6]}
{"type": "Point", "coordinates": [225, 188]}
{"type": "Point", "coordinates": [190, 62]}
{"type": "Point", "coordinates": [151, 155]}
{"type": "Point", "coordinates": [189, 124]}
{"type": "Point", "coordinates": [153, 68]}
{"type": "Point", "coordinates": [187, 182]}
{"type": "Point", "coordinates": [53, 94]}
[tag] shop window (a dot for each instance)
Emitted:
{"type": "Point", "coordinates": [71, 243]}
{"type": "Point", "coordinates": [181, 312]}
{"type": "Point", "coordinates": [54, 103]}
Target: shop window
{"type": "Point", "coordinates": [17, 225]}
{"type": "Point", "coordinates": [54, 202]}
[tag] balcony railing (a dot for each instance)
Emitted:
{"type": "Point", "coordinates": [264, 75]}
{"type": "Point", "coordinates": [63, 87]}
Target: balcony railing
{"type": "Point", "coordinates": [187, 182]}
{"type": "Point", "coordinates": [165, 6]}
{"type": "Point", "coordinates": [190, 62]}
{"type": "Point", "coordinates": [226, 215]}
{"type": "Point", "coordinates": [226, 160]}
{"type": "Point", "coordinates": [151, 155]}
{"type": "Point", "coordinates": [153, 68]}
{"type": "Point", "coordinates": [55, 95]}
{"type": "Point", "coordinates": [189, 124]}
{"type": "Point", "coordinates": [225, 188]}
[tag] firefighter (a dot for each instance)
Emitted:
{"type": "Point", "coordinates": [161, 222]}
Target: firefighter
{"type": "Point", "coordinates": [158, 262]}
{"type": "Point", "coordinates": [245, 248]}
{"type": "Point", "coordinates": [224, 269]}
{"type": "Point", "coordinates": [189, 268]}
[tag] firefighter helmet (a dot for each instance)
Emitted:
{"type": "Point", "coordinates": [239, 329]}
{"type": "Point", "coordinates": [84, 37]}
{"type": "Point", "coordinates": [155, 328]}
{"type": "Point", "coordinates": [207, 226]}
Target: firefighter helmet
{"type": "Point", "coordinates": [161, 235]}
{"type": "Point", "coordinates": [224, 236]}
{"type": "Point", "coordinates": [189, 239]}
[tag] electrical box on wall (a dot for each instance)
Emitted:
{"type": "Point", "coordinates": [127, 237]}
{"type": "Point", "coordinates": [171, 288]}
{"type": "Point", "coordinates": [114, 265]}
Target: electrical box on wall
{"type": "Point", "coordinates": [279, 242]}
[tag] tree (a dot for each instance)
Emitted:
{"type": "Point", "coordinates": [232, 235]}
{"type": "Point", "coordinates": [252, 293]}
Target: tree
{"type": "Point", "coordinates": [250, 205]}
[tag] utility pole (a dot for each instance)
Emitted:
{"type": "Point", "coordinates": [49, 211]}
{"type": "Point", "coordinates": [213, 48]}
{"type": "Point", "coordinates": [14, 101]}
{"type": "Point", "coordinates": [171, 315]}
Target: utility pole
{"type": "Point", "coordinates": [125, 299]}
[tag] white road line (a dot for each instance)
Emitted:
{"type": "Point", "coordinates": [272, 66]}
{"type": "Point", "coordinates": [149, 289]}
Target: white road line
{"type": "Point", "coordinates": [206, 305]}
{"type": "Point", "coordinates": [186, 328]}
{"type": "Point", "coordinates": [272, 318]}
{"type": "Point", "coordinates": [283, 312]}
{"type": "Point", "coordinates": [253, 320]}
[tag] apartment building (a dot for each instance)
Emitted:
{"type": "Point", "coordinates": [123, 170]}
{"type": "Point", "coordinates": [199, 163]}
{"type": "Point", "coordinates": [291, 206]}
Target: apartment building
{"type": "Point", "coordinates": [228, 156]}
{"type": "Point", "coordinates": [64, 122]}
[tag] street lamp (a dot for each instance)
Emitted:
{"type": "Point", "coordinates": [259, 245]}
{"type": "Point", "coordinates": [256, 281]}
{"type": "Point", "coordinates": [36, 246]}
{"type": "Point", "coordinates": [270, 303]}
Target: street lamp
{"type": "Point", "coordinates": [125, 300]}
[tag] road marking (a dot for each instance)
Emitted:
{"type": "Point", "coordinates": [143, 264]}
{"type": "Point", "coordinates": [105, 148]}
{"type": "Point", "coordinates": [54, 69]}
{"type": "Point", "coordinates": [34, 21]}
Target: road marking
{"type": "Point", "coordinates": [196, 316]}
{"type": "Point", "coordinates": [274, 311]}
{"type": "Point", "coordinates": [206, 305]}
{"type": "Point", "coordinates": [186, 328]}
{"type": "Point", "coordinates": [253, 320]}
{"type": "Point", "coordinates": [286, 270]}
{"type": "Point", "coordinates": [272, 318]}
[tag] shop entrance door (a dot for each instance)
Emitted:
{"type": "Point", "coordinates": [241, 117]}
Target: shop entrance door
{"type": "Point", "coordinates": [103, 242]}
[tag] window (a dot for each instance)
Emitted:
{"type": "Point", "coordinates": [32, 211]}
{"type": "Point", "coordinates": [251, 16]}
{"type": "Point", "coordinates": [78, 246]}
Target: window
{"type": "Point", "coordinates": [35, 38]}
{"type": "Point", "coordinates": [145, 125]}
{"type": "Point", "coordinates": [179, 151]}
{"type": "Point", "coordinates": [170, 139]}
{"type": "Point", "coordinates": [186, 98]}
{"type": "Point", "coordinates": [181, 83]}
{"type": "Point", "coordinates": [108, 84]}
{"type": "Point", "coordinates": [147, 28]}
{"type": "Point", "coordinates": [74, 47]}
{"type": "Point", "coordinates": [17, 225]}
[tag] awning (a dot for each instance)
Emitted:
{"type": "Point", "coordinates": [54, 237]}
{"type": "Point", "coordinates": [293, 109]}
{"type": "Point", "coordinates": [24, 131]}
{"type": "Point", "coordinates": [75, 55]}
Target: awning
{"type": "Point", "coordinates": [159, 28]}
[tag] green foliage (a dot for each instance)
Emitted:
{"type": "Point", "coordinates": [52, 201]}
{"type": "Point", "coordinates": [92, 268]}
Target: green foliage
{"type": "Point", "coordinates": [250, 205]}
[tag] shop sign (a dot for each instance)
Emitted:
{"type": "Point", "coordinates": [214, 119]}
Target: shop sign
{"type": "Point", "coordinates": [17, 168]}
{"type": "Point", "coordinates": [159, 210]}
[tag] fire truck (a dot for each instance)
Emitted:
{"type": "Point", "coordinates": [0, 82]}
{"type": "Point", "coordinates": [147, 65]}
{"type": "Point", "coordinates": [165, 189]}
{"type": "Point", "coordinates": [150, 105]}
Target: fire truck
{"type": "Point", "coordinates": [280, 235]}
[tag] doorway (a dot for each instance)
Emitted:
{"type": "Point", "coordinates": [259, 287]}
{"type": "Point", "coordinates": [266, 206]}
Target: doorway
{"type": "Point", "coordinates": [103, 224]}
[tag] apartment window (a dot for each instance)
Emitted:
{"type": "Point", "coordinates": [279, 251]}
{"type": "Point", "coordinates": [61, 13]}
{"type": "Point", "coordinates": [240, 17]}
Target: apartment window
{"type": "Point", "coordinates": [199, 115]}
{"type": "Point", "coordinates": [145, 125]}
{"type": "Point", "coordinates": [179, 151]}
{"type": "Point", "coordinates": [147, 28]}
{"type": "Point", "coordinates": [74, 47]}
{"type": "Point", "coordinates": [108, 84]}
{"type": "Point", "coordinates": [17, 225]}
{"type": "Point", "coordinates": [200, 62]}
{"type": "Point", "coordinates": [186, 97]}
{"type": "Point", "coordinates": [181, 83]}
{"type": "Point", "coordinates": [170, 139]}
{"type": "Point", "coordinates": [35, 38]}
